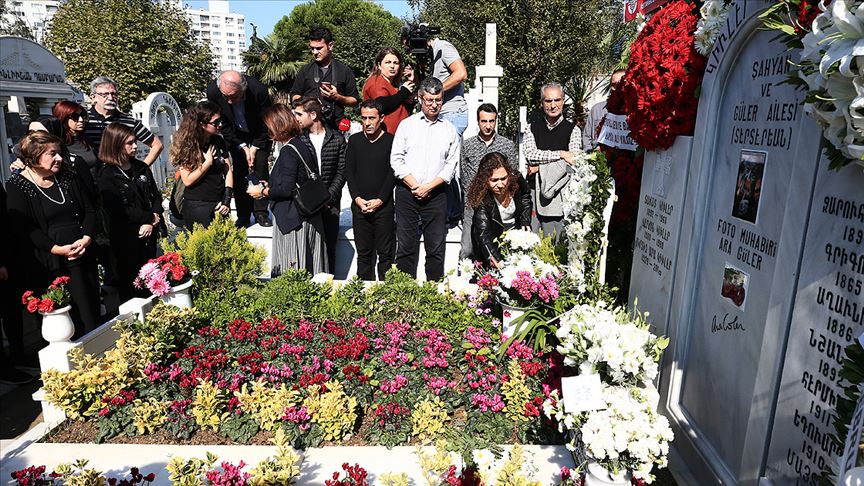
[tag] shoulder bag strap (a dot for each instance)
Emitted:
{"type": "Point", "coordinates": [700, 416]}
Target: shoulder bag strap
{"type": "Point", "coordinates": [312, 175]}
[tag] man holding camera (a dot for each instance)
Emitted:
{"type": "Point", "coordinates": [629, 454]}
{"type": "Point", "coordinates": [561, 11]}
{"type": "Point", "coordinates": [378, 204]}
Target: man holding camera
{"type": "Point", "coordinates": [326, 78]}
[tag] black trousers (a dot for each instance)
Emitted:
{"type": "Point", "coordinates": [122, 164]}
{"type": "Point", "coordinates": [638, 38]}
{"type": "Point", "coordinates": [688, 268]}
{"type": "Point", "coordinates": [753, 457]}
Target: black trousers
{"type": "Point", "coordinates": [201, 212]}
{"type": "Point", "coordinates": [246, 206]}
{"type": "Point", "coordinates": [131, 254]}
{"type": "Point", "coordinates": [430, 215]}
{"type": "Point", "coordinates": [84, 290]}
{"type": "Point", "coordinates": [11, 311]}
{"type": "Point", "coordinates": [330, 218]}
{"type": "Point", "coordinates": [373, 236]}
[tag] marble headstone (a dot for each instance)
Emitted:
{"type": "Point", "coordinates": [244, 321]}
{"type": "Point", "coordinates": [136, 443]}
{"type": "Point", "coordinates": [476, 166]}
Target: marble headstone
{"type": "Point", "coordinates": [664, 177]}
{"type": "Point", "coordinates": [828, 316]}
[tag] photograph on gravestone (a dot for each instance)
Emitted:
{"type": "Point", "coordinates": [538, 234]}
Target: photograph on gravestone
{"type": "Point", "coordinates": [828, 315]}
{"type": "Point", "coordinates": [748, 187]}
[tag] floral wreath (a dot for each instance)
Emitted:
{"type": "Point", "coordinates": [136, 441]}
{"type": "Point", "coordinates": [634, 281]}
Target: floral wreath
{"type": "Point", "coordinates": [663, 76]}
{"type": "Point", "coordinates": [828, 35]}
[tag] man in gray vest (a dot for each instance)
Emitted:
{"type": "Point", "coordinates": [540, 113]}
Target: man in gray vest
{"type": "Point", "coordinates": [550, 145]}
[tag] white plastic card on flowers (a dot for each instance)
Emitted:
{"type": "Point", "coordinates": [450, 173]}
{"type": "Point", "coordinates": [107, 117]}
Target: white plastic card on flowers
{"type": "Point", "coordinates": [582, 393]}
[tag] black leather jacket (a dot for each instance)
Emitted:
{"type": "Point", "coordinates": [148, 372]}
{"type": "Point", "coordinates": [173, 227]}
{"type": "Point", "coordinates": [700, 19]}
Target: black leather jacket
{"type": "Point", "coordinates": [487, 226]}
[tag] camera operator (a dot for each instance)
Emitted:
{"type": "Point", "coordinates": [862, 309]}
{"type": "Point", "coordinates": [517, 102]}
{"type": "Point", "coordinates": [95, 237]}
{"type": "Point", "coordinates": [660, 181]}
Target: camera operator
{"type": "Point", "coordinates": [325, 78]}
{"type": "Point", "coordinates": [446, 66]}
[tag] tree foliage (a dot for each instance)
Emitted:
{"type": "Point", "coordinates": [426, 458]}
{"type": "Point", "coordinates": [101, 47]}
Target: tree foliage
{"type": "Point", "coordinates": [538, 41]}
{"type": "Point", "coordinates": [15, 26]}
{"type": "Point", "coordinates": [143, 45]}
{"type": "Point", "coordinates": [360, 29]}
{"type": "Point", "coordinates": [275, 61]}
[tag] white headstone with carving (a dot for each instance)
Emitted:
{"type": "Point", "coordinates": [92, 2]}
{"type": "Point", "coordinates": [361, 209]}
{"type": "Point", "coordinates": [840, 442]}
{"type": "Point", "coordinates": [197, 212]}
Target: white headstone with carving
{"type": "Point", "coordinates": [161, 114]}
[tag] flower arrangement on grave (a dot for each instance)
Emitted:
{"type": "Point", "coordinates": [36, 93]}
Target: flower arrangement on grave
{"type": "Point", "coordinates": [828, 68]}
{"type": "Point", "coordinates": [713, 15]}
{"type": "Point", "coordinates": [625, 436]}
{"type": "Point", "coordinates": [160, 274]}
{"type": "Point", "coordinates": [663, 76]}
{"type": "Point", "coordinates": [584, 199]}
{"type": "Point", "coordinates": [313, 381]}
{"type": "Point", "coordinates": [611, 342]}
{"type": "Point", "coordinates": [56, 297]}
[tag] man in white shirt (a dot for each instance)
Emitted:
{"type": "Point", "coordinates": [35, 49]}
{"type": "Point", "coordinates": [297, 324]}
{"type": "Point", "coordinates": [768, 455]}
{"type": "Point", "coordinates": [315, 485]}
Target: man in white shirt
{"type": "Point", "coordinates": [424, 158]}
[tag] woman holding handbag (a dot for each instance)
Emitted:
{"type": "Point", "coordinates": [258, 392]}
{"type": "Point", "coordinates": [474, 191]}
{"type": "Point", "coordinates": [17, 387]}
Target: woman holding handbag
{"type": "Point", "coordinates": [134, 206]}
{"type": "Point", "coordinates": [296, 196]}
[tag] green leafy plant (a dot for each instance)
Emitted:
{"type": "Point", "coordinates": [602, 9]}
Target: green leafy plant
{"type": "Point", "coordinates": [239, 427]}
{"type": "Point", "coordinates": [189, 472]}
{"type": "Point", "coordinates": [222, 255]}
{"type": "Point", "coordinates": [281, 469]}
{"type": "Point", "coordinates": [289, 297]}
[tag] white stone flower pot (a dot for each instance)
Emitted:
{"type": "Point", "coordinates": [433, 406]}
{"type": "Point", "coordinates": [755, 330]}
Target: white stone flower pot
{"type": "Point", "coordinates": [179, 296]}
{"type": "Point", "coordinates": [597, 475]}
{"type": "Point", "coordinates": [57, 325]}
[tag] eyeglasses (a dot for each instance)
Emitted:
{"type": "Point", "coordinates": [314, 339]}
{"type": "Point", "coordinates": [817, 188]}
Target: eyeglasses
{"type": "Point", "coordinates": [78, 116]}
{"type": "Point", "coordinates": [429, 102]}
{"type": "Point", "coordinates": [108, 94]}
{"type": "Point", "coordinates": [216, 123]}
{"type": "Point", "coordinates": [555, 100]}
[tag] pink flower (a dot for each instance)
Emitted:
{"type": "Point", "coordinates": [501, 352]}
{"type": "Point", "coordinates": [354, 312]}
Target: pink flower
{"type": "Point", "coordinates": [158, 286]}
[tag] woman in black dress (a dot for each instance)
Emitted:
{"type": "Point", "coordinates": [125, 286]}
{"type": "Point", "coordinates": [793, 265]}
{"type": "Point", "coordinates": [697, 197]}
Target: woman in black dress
{"type": "Point", "coordinates": [133, 203]}
{"type": "Point", "coordinates": [52, 223]}
{"type": "Point", "coordinates": [202, 157]}
{"type": "Point", "coordinates": [502, 201]}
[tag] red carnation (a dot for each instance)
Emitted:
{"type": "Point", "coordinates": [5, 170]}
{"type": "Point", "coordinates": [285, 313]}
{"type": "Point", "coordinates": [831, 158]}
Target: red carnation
{"type": "Point", "coordinates": [47, 305]}
{"type": "Point", "coordinates": [26, 297]}
{"type": "Point", "coordinates": [32, 305]}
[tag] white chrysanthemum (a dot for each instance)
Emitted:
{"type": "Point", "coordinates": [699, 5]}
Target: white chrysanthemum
{"type": "Point", "coordinates": [713, 15]}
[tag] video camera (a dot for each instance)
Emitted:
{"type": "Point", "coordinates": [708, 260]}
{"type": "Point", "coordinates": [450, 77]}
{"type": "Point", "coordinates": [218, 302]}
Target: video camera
{"type": "Point", "coordinates": [415, 37]}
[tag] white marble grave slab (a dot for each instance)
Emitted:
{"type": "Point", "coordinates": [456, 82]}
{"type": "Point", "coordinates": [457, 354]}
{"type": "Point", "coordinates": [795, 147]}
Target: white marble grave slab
{"type": "Point", "coordinates": [828, 316]}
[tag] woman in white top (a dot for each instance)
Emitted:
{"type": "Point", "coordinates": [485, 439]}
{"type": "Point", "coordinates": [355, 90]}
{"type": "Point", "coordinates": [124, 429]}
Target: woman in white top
{"type": "Point", "coordinates": [501, 200]}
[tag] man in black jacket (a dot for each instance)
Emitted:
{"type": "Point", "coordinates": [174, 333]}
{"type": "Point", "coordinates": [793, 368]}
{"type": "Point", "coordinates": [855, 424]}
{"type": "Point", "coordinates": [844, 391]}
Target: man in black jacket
{"type": "Point", "coordinates": [242, 100]}
{"type": "Point", "coordinates": [328, 145]}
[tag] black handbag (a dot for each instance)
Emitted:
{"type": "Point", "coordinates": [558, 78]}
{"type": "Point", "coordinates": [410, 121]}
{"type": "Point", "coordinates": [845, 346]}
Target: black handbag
{"type": "Point", "coordinates": [312, 195]}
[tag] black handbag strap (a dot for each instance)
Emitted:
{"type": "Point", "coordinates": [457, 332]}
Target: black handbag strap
{"type": "Point", "coordinates": [312, 175]}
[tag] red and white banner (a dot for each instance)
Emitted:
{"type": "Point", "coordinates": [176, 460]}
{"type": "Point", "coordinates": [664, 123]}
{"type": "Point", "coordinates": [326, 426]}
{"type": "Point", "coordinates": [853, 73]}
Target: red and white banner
{"type": "Point", "coordinates": [634, 7]}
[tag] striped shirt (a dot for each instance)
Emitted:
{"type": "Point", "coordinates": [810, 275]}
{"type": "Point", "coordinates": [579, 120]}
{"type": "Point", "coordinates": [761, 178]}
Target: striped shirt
{"type": "Point", "coordinates": [96, 124]}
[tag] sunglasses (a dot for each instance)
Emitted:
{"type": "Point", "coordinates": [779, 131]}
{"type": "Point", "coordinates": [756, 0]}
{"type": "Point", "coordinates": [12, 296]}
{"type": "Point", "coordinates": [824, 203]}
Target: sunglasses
{"type": "Point", "coordinates": [78, 116]}
{"type": "Point", "coordinates": [216, 123]}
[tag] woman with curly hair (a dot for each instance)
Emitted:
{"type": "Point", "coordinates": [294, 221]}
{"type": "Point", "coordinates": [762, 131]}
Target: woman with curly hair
{"type": "Point", "coordinates": [52, 222]}
{"type": "Point", "coordinates": [204, 164]}
{"type": "Point", "coordinates": [502, 201]}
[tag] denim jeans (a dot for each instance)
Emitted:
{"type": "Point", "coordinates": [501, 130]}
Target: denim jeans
{"type": "Point", "coordinates": [455, 191]}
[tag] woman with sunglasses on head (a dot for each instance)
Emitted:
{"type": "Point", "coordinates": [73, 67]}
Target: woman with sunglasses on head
{"type": "Point", "coordinates": [502, 201]}
{"type": "Point", "coordinates": [204, 164]}
{"type": "Point", "coordinates": [52, 223]}
{"type": "Point", "coordinates": [134, 206]}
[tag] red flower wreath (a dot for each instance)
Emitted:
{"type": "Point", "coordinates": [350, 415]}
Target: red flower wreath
{"type": "Point", "coordinates": [662, 78]}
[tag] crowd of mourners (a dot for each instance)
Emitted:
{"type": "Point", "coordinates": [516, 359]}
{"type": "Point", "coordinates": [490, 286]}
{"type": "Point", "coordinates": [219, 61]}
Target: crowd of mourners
{"type": "Point", "coordinates": [79, 197]}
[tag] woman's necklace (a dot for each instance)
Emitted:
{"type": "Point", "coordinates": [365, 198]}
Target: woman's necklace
{"type": "Point", "coordinates": [62, 200]}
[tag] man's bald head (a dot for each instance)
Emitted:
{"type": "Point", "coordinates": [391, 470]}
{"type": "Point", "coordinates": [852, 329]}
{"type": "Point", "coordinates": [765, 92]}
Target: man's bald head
{"type": "Point", "coordinates": [232, 85]}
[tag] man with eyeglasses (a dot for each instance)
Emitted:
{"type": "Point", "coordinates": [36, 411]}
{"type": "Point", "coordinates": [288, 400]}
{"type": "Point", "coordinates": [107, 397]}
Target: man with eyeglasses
{"type": "Point", "coordinates": [550, 145]}
{"type": "Point", "coordinates": [326, 78]}
{"type": "Point", "coordinates": [103, 91]}
{"type": "Point", "coordinates": [242, 100]}
{"type": "Point", "coordinates": [424, 157]}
